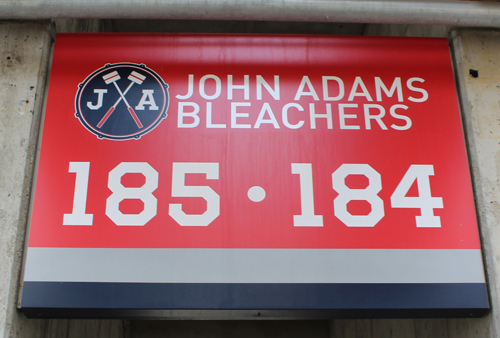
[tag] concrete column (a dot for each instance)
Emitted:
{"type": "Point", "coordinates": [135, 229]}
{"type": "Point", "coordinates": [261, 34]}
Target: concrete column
{"type": "Point", "coordinates": [24, 53]}
{"type": "Point", "coordinates": [479, 50]}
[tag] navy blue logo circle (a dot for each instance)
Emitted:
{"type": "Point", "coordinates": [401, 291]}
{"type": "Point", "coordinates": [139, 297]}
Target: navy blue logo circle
{"type": "Point", "coordinates": [122, 101]}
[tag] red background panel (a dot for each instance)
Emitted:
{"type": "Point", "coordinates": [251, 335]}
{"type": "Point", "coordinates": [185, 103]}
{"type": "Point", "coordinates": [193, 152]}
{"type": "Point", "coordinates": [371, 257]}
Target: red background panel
{"type": "Point", "coordinates": [258, 156]}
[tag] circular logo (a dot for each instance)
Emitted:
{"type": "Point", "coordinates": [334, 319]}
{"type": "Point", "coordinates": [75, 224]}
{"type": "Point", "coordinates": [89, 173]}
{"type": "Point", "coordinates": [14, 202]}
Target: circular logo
{"type": "Point", "coordinates": [122, 101]}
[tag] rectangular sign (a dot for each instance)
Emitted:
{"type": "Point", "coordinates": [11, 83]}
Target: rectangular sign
{"type": "Point", "coordinates": [252, 172]}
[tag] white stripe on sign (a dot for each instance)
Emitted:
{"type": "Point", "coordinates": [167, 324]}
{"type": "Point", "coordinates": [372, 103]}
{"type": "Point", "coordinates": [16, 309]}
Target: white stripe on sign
{"type": "Point", "coordinates": [253, 265]}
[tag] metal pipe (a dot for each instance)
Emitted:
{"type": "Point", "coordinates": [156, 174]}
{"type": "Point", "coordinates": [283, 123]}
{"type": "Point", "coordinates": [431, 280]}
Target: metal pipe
{"type": "Point", "coordinates": [453, 13]}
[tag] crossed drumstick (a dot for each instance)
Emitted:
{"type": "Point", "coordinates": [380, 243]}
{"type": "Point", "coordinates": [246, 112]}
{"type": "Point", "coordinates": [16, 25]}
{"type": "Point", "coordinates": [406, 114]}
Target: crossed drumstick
{"type": "Point", "coordinates": [112, 77]}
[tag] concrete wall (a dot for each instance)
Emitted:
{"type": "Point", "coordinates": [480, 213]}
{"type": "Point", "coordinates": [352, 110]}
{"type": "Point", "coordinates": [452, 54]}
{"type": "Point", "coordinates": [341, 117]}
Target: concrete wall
{"type": "Point", "coordinates": [24, 54]}
{"type": "Point", "coordinates": [407, 30]}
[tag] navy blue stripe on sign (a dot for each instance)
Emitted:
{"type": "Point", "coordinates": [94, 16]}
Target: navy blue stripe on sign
{"type": "Point", "coordinates": [50, 295]}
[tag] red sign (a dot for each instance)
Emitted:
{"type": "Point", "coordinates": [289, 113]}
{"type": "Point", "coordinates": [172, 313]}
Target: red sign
{"type": "Point", "coordinates": [254, 142]}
